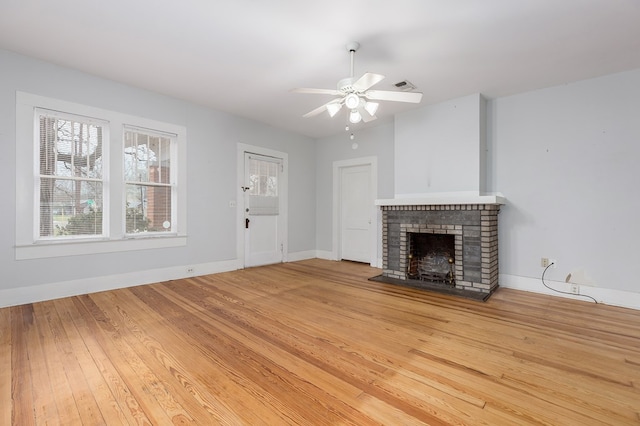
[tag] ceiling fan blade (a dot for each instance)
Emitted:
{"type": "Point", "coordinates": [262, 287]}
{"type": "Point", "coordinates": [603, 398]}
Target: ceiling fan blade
{"type": "Point", "coordinates": [385, 95]}
{"type": "Point", "coordinates": [315, 111]}
{"type": "Point", "coordinates": [368, 80]}
{"type": "Point", "coordinates": [334, 107]}
{"type": "Point", "coordinates": [317, 91]}
{"type": "Point", "coordinates": [324, 107]}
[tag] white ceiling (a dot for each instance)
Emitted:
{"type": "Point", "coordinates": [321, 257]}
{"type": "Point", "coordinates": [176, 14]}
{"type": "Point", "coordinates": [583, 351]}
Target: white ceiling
{"type": "Point", "coordinates": [244, 56]}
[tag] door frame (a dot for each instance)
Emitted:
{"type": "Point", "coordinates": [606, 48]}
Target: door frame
{"type": "Point", "coordinates": [283, 187]}
{"type": "Point", "coordinates": [376, 217]}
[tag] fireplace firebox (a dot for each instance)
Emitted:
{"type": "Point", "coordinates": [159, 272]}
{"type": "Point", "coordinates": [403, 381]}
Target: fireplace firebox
{"type": "Point", "coordinates": [431, 257]}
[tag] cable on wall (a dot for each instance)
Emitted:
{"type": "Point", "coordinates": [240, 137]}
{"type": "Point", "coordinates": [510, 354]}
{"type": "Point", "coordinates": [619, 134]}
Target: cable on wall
{"type": "Point", "coordinates": [563, 292]}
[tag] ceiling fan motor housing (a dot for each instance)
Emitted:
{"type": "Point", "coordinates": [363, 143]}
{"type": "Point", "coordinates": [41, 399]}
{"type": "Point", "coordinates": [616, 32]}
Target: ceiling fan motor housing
{"type": "Point", "coordinates": [346, 85]}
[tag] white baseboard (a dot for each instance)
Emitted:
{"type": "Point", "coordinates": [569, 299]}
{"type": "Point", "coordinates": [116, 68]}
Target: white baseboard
{"type": "Point", "coordinates": [625, 299]}
{"type": "Point", "coordinates": [324, 254]}
{"type": "Point", "coordinates": [49, 291]}
{"type": "Point", "coordinates": [301, 255]}
{"type": "Point", "coordinates": [328, 255]}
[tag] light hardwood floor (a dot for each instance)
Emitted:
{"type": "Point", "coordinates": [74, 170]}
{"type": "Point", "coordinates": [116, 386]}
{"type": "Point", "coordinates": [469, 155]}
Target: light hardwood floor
{"type": "Point", "coordinates": [314, 343]}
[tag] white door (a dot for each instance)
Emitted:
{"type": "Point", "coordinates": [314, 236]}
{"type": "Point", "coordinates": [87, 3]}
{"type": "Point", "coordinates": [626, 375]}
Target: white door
{"type": "Point", "coordinates": [356, 207]}
{"type": "Point", "coordinates": [263, 227]}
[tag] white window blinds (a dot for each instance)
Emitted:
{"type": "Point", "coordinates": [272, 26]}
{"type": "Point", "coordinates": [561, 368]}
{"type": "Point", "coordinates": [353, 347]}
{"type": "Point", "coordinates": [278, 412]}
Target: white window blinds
{"type": "Point", "coordinates": [70, 175]}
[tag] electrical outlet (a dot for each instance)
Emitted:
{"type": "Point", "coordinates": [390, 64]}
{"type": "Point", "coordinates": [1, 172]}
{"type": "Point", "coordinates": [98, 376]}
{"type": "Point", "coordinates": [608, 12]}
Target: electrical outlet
{"type": "Point", "coordinates": [190, 270]}
{"type": "Point", "coordinates": [574, 288]}
{"type": "Point", "coordinates": [545, 261]}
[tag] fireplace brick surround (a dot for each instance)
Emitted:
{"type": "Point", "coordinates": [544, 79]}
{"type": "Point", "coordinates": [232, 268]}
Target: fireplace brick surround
{"type": "Point", "coordinates": [474, 227]}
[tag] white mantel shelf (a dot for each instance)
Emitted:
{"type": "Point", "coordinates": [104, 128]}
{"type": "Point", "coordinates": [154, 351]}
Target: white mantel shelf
{"type": "Point", "coordinates": [443, 200]}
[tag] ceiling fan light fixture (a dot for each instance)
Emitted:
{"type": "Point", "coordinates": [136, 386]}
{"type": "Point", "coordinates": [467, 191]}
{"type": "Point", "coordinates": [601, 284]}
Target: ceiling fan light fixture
{"type": "Point", "coordinates": [371, 107]}
{"type": "Point", "coordinates": [356, 93]}
{"type": "Point", "coordinates": [333, 108]}
{"type": "Point", "coordinates": [352, 101]}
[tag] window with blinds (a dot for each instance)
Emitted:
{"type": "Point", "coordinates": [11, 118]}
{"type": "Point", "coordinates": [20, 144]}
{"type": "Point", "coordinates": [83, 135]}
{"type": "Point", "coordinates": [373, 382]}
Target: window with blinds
{"type": "Point", "coordinates": [91, 180]}
{"type": "Point", "coordinates": [147, 173]}
{"type": "Point", "coordinates": [263, 184]}
{"type": "Point", "coordinates": [71, 164]}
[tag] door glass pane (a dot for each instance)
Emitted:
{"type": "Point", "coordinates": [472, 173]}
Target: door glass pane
{"type": "Point", "coordinates": [263, 183]}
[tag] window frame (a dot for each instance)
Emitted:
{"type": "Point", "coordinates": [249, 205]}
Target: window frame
{"type": "Point", "coordinates": [29, 245]}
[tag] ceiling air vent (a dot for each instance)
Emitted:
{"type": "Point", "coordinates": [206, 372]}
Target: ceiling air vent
{"type": "Point", "coordinates": [405, 86]}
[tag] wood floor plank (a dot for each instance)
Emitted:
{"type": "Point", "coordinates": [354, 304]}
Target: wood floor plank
{"type": "Point", "coordinates": [5, 364]}
{"type": "Point", "coordinates": [44, 405]}
{"type": "Point", "coordinates": [284, 350]}
{"type": "Point", "coordinates": [94, 400]}
{"type": "Point", "coordinates": [142, 388]}
{"type": "Point", "coordinates": [55, 360]}
{"type": "Point", "coordinates": [170, 356]}
{"type": "Point", "coordinates": [117, 394]}
{"type": "Point", "coordinates": [316, 342]}
{"type": "Point", "coordinates": [21, 388]}
{"type": "Point", "coordinates": [142, 364]}
{"type": "Point", "coordinates": [265, 377]}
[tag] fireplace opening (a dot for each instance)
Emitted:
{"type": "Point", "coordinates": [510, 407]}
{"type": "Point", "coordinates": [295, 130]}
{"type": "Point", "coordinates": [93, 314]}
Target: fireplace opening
{"type": "Point", "coordinates": [431, 257]}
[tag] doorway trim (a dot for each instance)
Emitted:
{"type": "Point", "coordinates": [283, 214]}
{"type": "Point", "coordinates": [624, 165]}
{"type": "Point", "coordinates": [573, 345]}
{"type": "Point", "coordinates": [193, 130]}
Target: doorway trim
{"type": "Point", "coordinates": [284, 197]}
{"type": "Point", "coordinates": [374, 231]}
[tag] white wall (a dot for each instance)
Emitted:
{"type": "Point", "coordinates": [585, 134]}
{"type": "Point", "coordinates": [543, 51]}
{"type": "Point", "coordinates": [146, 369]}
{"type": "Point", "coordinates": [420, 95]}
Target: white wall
{"type": "Point", "coordinates": [566, 158]}
{"type": "Point", "coordinates": [440, 148]}
{"type": "Point", "coordinates": [211, 149]}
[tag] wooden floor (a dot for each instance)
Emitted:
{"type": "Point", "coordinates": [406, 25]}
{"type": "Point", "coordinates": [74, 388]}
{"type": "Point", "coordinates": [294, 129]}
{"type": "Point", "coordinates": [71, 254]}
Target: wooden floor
{"type": "Point", "coordinates": [316, 343]}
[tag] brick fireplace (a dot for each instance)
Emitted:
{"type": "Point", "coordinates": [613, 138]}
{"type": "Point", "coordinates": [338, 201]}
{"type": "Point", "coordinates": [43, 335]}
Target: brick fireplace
{"type": "Point", "coordinates": [467, 263]}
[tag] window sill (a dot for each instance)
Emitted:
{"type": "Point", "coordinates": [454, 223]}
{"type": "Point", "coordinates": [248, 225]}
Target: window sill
{"type": "Point", "coordinates": [60, 249]}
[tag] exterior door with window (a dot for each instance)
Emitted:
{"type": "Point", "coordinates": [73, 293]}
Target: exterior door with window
{"type": "Point", "coordinates": [263, 233]}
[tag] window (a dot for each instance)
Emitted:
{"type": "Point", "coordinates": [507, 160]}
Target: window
{"type": "Point", "coordinates": [71, 175]}
{"type": "Point", "coordinates": [147, 174]}
{"type": "Point", "coordinates": [93, 181]}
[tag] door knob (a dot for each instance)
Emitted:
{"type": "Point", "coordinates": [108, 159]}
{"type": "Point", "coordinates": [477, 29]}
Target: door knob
{"type": "Point", "coordinates": [246, 223]}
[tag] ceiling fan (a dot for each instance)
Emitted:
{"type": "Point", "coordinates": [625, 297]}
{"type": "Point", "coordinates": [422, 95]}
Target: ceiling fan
{"type": "Point", "coordinates": [357, 96]}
